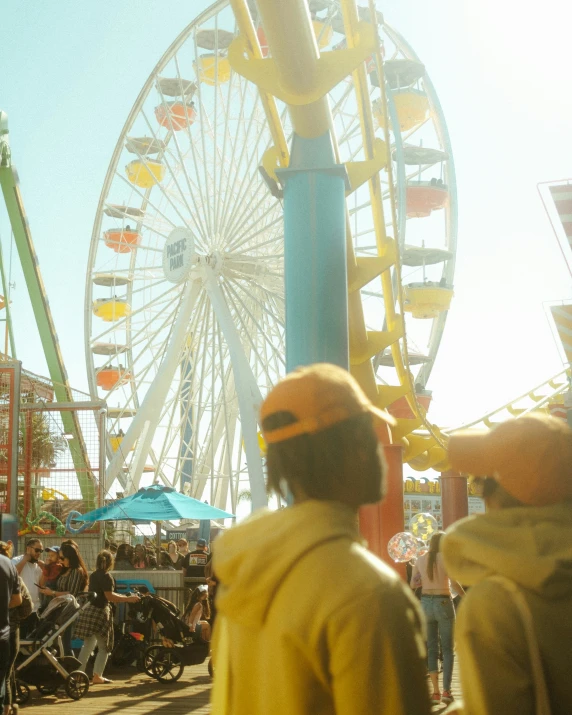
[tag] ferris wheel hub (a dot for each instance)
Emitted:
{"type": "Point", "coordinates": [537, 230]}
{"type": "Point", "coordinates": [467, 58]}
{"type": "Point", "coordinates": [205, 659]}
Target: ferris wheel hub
{"type": "Point", "coordinates": [179, 255]}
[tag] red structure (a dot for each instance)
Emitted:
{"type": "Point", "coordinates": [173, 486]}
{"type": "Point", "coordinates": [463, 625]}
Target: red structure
{"type": "Point", "coordinates": [454, 497]}
{"type": "Point", "coordinates": [379, 522]}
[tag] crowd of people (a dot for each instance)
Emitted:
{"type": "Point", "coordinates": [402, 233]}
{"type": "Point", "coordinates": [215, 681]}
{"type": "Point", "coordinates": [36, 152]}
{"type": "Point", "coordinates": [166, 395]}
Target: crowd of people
{"type": "Point", "coordinates": [310, 621]}
{"type": "Point", "coordinates": [30, 581]}
{"type": "Point", "coordinates": [176, 557]}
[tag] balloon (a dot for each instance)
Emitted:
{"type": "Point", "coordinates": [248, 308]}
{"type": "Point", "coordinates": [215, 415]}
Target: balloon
{"type": "Point", "coordinates": [423, 526]}
{"type": "Point", "coordinates": [402, 547]}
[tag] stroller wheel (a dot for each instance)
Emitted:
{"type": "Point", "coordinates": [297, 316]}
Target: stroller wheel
{"type": "Point", "coordinates": [149, 658]}
{"type": "Point", "coordinates": [210, 667]}
{"type": "Point", "coordinates": [167, 666]}
{"type": "Point", "coordinates": [77, 685]}
{"type": "Point", "coordinates": [22, 692]}
{"type": "Point", "coordinates": [48, 689]}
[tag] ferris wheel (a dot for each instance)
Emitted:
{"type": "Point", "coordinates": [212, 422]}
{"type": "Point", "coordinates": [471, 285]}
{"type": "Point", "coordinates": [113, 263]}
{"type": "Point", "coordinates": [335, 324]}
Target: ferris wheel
{"type": "Point", "coordinates": [184, 305]}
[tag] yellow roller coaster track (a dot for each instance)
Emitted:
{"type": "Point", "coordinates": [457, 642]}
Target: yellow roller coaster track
{"type": "Point", "coordinates": [539, 398]}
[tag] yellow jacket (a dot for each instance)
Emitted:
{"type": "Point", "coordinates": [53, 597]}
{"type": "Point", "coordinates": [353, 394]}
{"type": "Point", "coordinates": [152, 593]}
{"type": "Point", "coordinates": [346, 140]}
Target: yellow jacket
{"type": "Point", "coordinates": [531, 546]}
{"type": "Point", "coordinates": [310, 623]}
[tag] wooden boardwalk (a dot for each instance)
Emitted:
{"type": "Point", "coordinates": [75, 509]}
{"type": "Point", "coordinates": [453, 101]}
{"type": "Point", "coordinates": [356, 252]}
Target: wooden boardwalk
{"type": "Point", "coordinates": [137, 694]}
{"type": "Point", "coordinates": [133, 694]}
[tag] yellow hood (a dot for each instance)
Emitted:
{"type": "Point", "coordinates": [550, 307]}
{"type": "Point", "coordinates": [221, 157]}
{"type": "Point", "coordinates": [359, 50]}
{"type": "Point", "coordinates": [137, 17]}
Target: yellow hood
{"type": "Point", "coordinates": [252, 559]}
{"type": "Point", "coordinates": [532, 546]}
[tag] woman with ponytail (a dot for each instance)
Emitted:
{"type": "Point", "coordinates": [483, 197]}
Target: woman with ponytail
{"type": "Point", "coordinates": [429, 573]}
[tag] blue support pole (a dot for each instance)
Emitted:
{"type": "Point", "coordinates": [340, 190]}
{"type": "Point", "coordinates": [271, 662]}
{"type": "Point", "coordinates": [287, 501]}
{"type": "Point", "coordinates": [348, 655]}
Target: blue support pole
{"type": "Point", "coordinates": [315, 263]}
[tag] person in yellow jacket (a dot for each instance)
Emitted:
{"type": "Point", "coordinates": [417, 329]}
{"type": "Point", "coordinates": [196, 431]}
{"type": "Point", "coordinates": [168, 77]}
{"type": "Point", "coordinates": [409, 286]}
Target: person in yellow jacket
{"type": "Point", "coordinates": [308, 621]}
{"type": "Point", "coordinates": [514, 626]}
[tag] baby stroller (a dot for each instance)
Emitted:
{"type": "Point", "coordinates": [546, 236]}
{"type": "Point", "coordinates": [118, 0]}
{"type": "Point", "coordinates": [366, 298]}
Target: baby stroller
{"type": "Point", "coordinates": [41, 661]}
{"type": "Point", "coordinates": [167, 662]}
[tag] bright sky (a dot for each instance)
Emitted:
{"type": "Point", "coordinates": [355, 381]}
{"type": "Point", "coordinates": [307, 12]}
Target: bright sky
{"type": "Point", "coordinates": [71, 72]}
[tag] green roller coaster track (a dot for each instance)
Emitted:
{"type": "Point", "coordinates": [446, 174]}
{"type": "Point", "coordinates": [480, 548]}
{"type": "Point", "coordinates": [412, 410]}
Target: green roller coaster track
{"type": "Point", "coordinates": [42, 313]}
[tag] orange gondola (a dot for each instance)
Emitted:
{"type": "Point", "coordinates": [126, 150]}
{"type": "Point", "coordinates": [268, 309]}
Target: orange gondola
{"type": "Point", "coordinates": [110, 377]}
{"type": "Point", "coordinates": [122, 240]}
{"type": "Point", "coordinates": [176, 115]}
{"type": "Point", "coordinates": [425, 197]}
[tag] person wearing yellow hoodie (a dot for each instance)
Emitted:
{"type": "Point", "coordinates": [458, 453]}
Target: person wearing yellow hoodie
{"type": "Point", "coordinates": [309, 622]}
{"type": "Point", "coordinates": [514, 626]}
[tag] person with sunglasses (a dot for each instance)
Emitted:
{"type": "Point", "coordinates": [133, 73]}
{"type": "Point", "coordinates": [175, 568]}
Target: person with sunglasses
{"type": "Point", "coordinates": [29, 567]}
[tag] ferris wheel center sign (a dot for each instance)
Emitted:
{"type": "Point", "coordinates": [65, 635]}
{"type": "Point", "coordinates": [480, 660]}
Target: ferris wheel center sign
{"type": "Point", "coordinates": [178, 254]}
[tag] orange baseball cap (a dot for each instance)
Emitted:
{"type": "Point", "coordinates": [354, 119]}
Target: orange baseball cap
{"type": "Point", "coordinates": [319, 396]}
{"type": "Point", "coordinates": [530, 457]}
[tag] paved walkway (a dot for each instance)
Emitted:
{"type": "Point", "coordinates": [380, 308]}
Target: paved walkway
{"type": "Point", "coordinates": [137, 694]}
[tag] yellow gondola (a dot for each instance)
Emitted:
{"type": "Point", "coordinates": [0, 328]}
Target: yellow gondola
{"type": "Point", "coordinates": [427, 300]}
{"type": "Point", "coordinates": [111, 309]}
{"type": "Point", "coordinates": [323, 32]}
{"type": "Point", "coordinates": [212, 70]}
{"type": "Point", "coordinates": [145, 173]}
{"type": "Point", "coordinates": [411, 105]}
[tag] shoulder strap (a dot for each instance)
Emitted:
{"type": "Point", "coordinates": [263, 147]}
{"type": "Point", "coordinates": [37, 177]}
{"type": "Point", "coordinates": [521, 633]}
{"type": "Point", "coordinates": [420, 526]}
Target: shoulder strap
{"type": "Point", "coordinates": [540, 690]}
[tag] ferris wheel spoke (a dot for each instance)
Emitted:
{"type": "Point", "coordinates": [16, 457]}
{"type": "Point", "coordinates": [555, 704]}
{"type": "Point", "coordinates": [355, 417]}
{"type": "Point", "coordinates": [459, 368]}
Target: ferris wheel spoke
{"type": "Point", "coordinates": [170, 198]}
{"type": "Point", "coordinates": [227, 218]}
{"type": "Point", "coordinates": [241, 320]}
{"type": "Point", "coordinates": [154, 354]}
{"type": "Point", "coordinates": [270, 241]}
{"type": "Point", "coordinates": [248, 237]}
{"type": "Point", "coordinates": [205, 469]}
{"type": "Point", "coordinates": [123, 321]}
{"type": "Point", "coordinates": [212, 437]}
{"type": "Point", "coordinates": [241, 215]}
{"type": "Point", "coordinates": [202, 119]}
{"type": "Point", "coordinates": [263, 306]}
{"type": "Point", "coordinates": [194, 215]}
{"type": "Point", "coordinates": [169, 411]}
{"type": "Point", "coordinates": [241, 90]}
{"type": "Point", "coordinates": [199, 184]}
{"type": "Point", "coordinates": [142, 196]}
{"type": "Point", "coordinates": [226, 140]}
{"type": "Point", "coordinates": [249, 217]}
{"type": "Point", "coordinates": [237, 164]}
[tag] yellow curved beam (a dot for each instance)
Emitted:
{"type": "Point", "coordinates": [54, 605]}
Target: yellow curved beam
{"type": "Point", "coordinates": [295, 72]}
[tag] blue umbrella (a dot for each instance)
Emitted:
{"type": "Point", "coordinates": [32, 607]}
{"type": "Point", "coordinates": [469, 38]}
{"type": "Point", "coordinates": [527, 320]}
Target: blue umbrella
{"type": "Point", "coordinates": [155, 503]}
